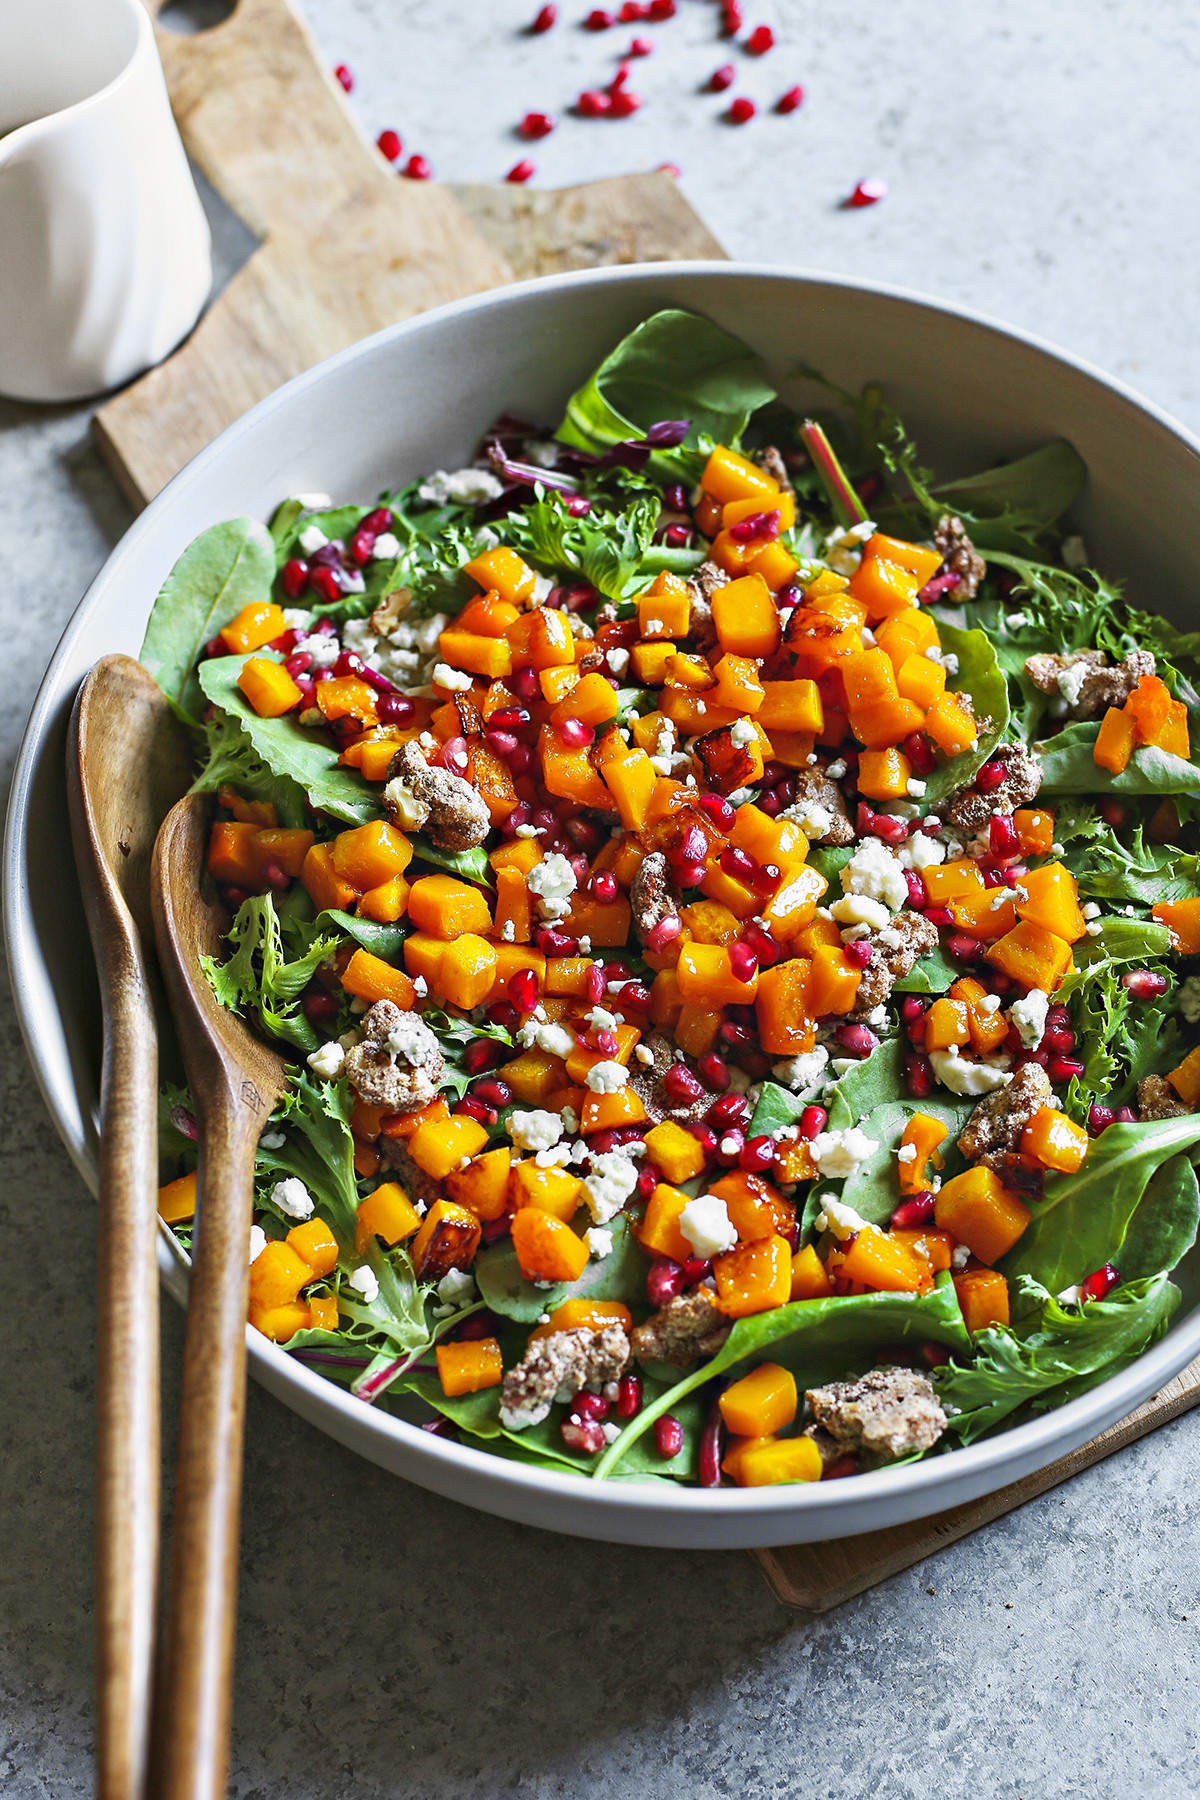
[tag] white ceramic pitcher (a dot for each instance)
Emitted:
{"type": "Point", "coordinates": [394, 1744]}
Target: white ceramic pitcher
{"type": "Point", "coordinates": [104, 247]}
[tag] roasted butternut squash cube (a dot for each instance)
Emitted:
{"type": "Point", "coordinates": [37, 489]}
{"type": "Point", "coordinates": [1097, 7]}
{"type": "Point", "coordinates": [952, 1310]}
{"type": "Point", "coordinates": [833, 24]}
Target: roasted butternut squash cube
{"type": "Point", "coordinates": [756, 1209]}
{"type": "Point", "coordinates": [883, 774]}
{"type": "Point", "coordinates": [977, 1209]}
{"type": "Point", "coordinates": [1056, 1141]}
{"type": "Point", "coordinates": [448, 1239]}
{"type": "Point", "coordinates": [630, 780]}
{"type": "Point", "coordinates": [440, 1147]}
{"type": "Point", "coordinates": [706, 975]}
{"type": "Point", "coordinates": [730, 476]}
{"type": "Point", "coordinates": [279, 1323]}
{"type": "Point", "coordinates": [446, 908]}
{"type": "Point", "coordinates": [268, 687]}
{"type": "Point", "coordinates": [665, 609]}
{"type": "Point", "coordinates": [388, 1213]}
{"type": "Point", "coordinates": [547, 1250]}
{"type": "Point", "coordinates": [257, 624]}
{"type": "Point", "coordinates": [370, 854]}
{"type": "Point", "coordinates": [554, 1190]}
{"type": "Point", "coordinates": [1052, 901]}
{"type": "Point", "coordinates": [885, 1264]}
{"type": "Point", "coordinates": [1032, 955]}
{"type": "Point", "coordinates": [316, 1244]}
{"type": "Point", "coordinates": [604, 1112]}
{"type": "Point", "coordinates": [369, 977]}
{"type": "Point", "coordinates": [738, 685]}
{"type": "Point", "coordinates": [466, 971]}
{"type": "Point", "coordinates": [922, 1135]}
{"type": "Point", "coordinates": [483, 1184]}
{"type": "Point", "coordinates": [832, 982]}
{"type": "Point", "coordinates": [579, 1313]}
{"type": "Point", "coordinates": [466, 1368]}
{"type": "Point", "coordinates": [659, 1232]}
{"type": "Point", "coordinates": [746, 617]}
{"type": "Point", "coordinates": [326, 888]}
{"type": "Point", "coordinates": [675, 1151]}
{"type": "Point", "coordinates": [794, 903]}
{"type": "Point", "coordinates": [791, 706]}
{"type": "Point", "coordinates": [809, 1279]}
{"type": "Point", "coordinates": [762, 1402]}
{"type": "Point", "coordinates": [177, 1201]}
{"type": "Point", "coordinates": [277, 1274]}
{"type": "Point", "coordinates": [503, 572]}
{"type": "Point", "coordinates": [982, 1298]}
{"type": "Point", "coordinates": [534, 1074]}
{"type": "Point", "coordinates": [950, 722]}
{"type": "Point", "coordinates": [754, 1277]}
{"type": "Point", "coordinates": [1182, 919]}
{"type": "Point", "coordinates": [784, 1460]}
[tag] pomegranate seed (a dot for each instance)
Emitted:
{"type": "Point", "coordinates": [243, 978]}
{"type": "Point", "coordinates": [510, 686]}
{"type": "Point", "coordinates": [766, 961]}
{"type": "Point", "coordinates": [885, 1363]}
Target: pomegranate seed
{"type": "Point", "coordinates": [523, 990]}
{"type": "Point", "coordinates": [594, 985]}
{"type": "Point", "coordinates": [934, 1356]}
{"type": "Point", "coordinates": [792, 101]}
{"type": "Point", "coordinates": [692, 848]}
{"type": "Point", "coordinates": [866, 193]}
{"type": "Point", "coordinates": [604, 888]}
{"type": "Point", "coordinates": [492, 1091]}
{"type": "Point", "coordinates": [918, 1074]}
{"type": "Point", "coordinates": [729, 1147]}
{"type": "Point", "coordinates": [859, 954]}
{"type": "Point", "coordinates": [1126, 1116]}
{"type": "Point", "coordinates": [503, 743]}
{"type": "Point", "coordinates": [556, 943]}
{"type": "Point", "coordinates": [892, 831]}
{"type": "Point", "coordinates": [537, 125]}
{"type": "Point", "coordinates": [307, 693]}
{"type": "Point", "coordinates": [592, 104]}
{"type": "Point", "coordinates": [858, 1040]}
{"type": "Point", "coordinates": [736, 863]}
{"type": "Point", "coordinates": [454, 755]}
{"type": "Point", "coordinates": [743, 962]}
{"type": "Point", "coordinates": [1002, 836]}
{"type": "Point", "coordinates": [761, 39]}
{"type": "Point", "coordinates": [691, 874]}
{"type": "Point", "coordinates": [633, 12]}
{"type": "Point", "coordinates": [664, 933]}
{"type": "Point", "coordinates": [345, 75]}
{"type": "Point", "coordinates": [913, 1007]}
{"type": "Point", "coordinates": [1000, 983]}
{"type": "Point", "coordinates": [770, 803]}
{"type": "Point", "coordinates": [647, 1181]}
{"type": "Point", "coordinates": [916, 1210]}
{"type": "Point", "coordinates": [675, 497]}
{"type": "Point", "coordinates": [1061, 1068]}
{"type": "Point", "coordinates": [1040, 1057]}
{"type": "Point", "coordinates": [475, 1109]}
{"type": "Point", "coordinates": [718, 809]}
{"type": "Point", "coordinates": [624, 103]}
{"type": "Point", "coordinates": [635, 997]}
{"type": "Point", "coordinates": [963, 949]}
{"type": "Point", "coordinates": [741, 111]}
{"type": "Point", "coordinates": [661, 10]}
{"type": "Point", "coordinates": [1099, 1118]}
{"type": "Point", "coordinates": [758, 1153]}
{"type": "Point", "coordinates": [730, 1109]}
{"type": "Point", "coordinates": [382, 519]}
{"type": "Point", "coordinates": [921, 754]}
{"type": "Point", "coordinates": [812, 1122]}
{"type": "Point", "coordinates": [348, 663]}
{"type": "Point", "coordinates": [842, 1467]}
{"type": "Point", "coordinates": [918, 893]}
{"type": "Point", "coordinates": [697, 1268]}
{"type": "Point", "coordinates": [1100, 1282]}
{"type": "Point", "coordinates": [722, 78]}
{"type": "Point", "coordinates": [713, 1071]}
{"type": "Point", "coordinates": [765, 947]}
{"type": "Point", "coordinates": [394, 709]}
{"type": "Point", "coordinates": [590, 1407]}
{"type": "Point", "coordinates": [319, 1005]}
{"type": "Point", "coordinates": [1143, 984]}
{"type": "Point", "coordinates": [641, 46]}
{"type": "Point", "coordinates": [481, 1054]}
{"type": "Point", "coordinates": [705, 1136]}
{"type": "Point", "coordinates": [598, 20]}
{"type": "Point", "coordinates": [606, 1043]}
{"type": "Point", "coordinates": [1058, 1038]}
{"type": "Point", "coordinates": [989, 777]}
{"type": "Point", "coordinates": [295, 577]}
{"type": "Point", "coordinates": [629, 1396]}
{"type": "Point", "coordinates": [1057, 1015]}
{"type": "Point", "coordinates": [388, 144]}
{"type": "Point", "coordinates": [419, 168]}
{"type": "Point", "coordinates": [545, 19]}
{"type": "Point", "coordinates": [915, 1032]}
{"type": "Point", "coordinates": [524, 682]}
{"type": "Point", "coordinates": [588, 1438]}
{"type": "Point", "coordinates": [664, 1279]}
{"type": "Point", "coordinates": [504, 1014]}
{"type": "Point", "coordinates": [733, 17]}
{"type": "Point", "coordinates": [575, 734]}
{"type": "Point", "coordinates": [327, 584]}
{"type": "Point", "coordinates": [668, 1436]}
{"type": "Point", "coordinates": [681, 1085]}
{"type": "Point", "coordinates": [940, 916]}
{"type": "Point", "coordinates": [298, 664]}
{"type": "Point", "coordinates": [521, 172]}
{"type": "Point", "coordinates": [678, 537]}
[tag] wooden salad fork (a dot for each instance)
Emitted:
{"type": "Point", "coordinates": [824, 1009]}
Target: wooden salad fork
{"type": "Point", "coordinates": [235, 1082]}
{"type": "Point", "coordinates": [127, 763]}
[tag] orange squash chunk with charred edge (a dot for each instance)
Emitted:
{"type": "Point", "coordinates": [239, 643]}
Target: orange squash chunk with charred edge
{"type": "Point", "coordinates": [448, 1239]}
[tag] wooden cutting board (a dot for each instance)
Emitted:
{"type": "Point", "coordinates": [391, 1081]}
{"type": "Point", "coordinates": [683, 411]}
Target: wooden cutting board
{"type": "Point", "coordinates": [347, 246]}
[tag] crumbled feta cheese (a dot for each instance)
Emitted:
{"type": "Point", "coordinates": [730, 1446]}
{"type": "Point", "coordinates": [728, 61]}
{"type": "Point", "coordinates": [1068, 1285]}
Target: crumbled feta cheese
{"type": "Point", "coordinates": [946, 658]}
{"type": "Point", "coordinates": [915, 788]}
{"type": "Point", "coordinates": [963, 1077]}
{"type": "Point", "coordinates": [1071, 680]}
{"type": "Point", "coordinates": [571, 1126]}
{"type": "Point", "coordinates": [874, 871]}
{"type": "Point", "coordinates": [842, 1065]}
{"type": "Point", "coordinates": [1189, 1000]}
{"type": "Point", "coordinates": [602, 1019]}
{"type": "Point", "coordinates": [598, 1241]}
{"type": "Point", "coordinates": [1074, 552]}
{"type": "Point", "coordinates": [270, 1138]}
{"type": "Point", "coordinates": [297, 618]}
{"type": "Point", "coordinates": [813, 819]}
{"type": "Point", "coordinates": [1070, 1296]}
{"type": "Point", "coordinates": [988, 1004]}
{"type": "Point", "coordinates": [1029, 1017]}
{"type": "Point", "coordinates": [293, 1198]}
{"type": "Point", "coordinates": [328, 1061]}
{"type": "Point", "coordinates": [386, 546]}
{"type": "Point", "coordinates": [960, 1256]}
{"type": "Point", "coordinates": [508, 931]}
{"type": "Point", "coordinates": [644, 1056]}
{"type": "Point", "coordinates": [311, 539]}
{"type": "Point", "coordinates": [411, 1039]}
{"type": "Point", "coordinates": [555, 1040]}
{"type": "Point", "coordinates": [1094, 928]}
{"type": "Point", "coordinates": [741, 733]}
{"type": "Point", "coordinates": [1015, 620]}
{"type": "Point", "coordinates": [456, 1288]}
{"type": "Point", "coordinates": [803, 1074]}
{"type": "Point", "coordinates": [617, 660]}
{"type": "Point", "coordinates": [859, 909]}
{"type": "Point", "coordinates": [907, 1153]}
{"type": "Point", "coordinates": [456, 681]}
{"type": "Point", "coordinates": [468, 486]}
{"type": "Point", "coordinates": [607, 1187]}
{"type": "Point", "coordinates": [420, 987]}
{"type": "Point", "coordinates": [1091, 910]}
{"type": "Point", "coordinates": [258, 1242]}
{"type": "Point", "coordinates": [558, 1158]}
{"type": "Point", "coordinates": [840, 1219]}
{"type": "Point", "coordinates": [838, 1153]}
{"type": "Point", "coordinates": [365, 1282]}
{"type": "Point", "coordinates": [552, 882]}
{"type": "Point", "coordinates": [322, 646]}
{"type": "Point", "coordinates": [535, 1130]}
{"type": "Point", "coordinates": [705, 1224]}
{"type": "Point", "coordinates": [606, 1077]}
{"type": "Point", "coordinates": [836, 769]}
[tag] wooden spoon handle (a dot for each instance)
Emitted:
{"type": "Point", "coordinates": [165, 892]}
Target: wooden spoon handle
{"type": "Point", "coordinates": [192, 1717]}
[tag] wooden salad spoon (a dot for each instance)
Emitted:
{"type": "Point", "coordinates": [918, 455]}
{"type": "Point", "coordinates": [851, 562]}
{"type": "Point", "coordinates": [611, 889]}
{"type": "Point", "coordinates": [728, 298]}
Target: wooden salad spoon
{"type": "Point", "coordinates": [235, 1081]}
{"type": "Point", "coordinates": [127, 763]}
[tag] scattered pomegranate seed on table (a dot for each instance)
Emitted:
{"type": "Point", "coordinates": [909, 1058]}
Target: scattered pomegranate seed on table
{"type": "Point", "coordinates": [741, 111]}
{"type": "Point", "coordinates": [641, 46]}
{"type": "Point", "coordinates": [593, 104]}
{"type": "Point", "coordinates": [419, 168]}
{"type": "Point", "coordinates": [521, 172]}
{"type": "Point", "coordinates": [345, 75]}
{"type": "Point", "coordinates": [661, 10]}
{"type": "Point", "coordinates": [545, 19]}
{"type": "Point", "coordinates": [624, 103]}
{"type": "Point", "coordinates": [792, 101]}
{"type": "Point", "coordinates": [722, 78]}
{"type": "Point", "coordinates": [866, 193]}
{"type": "Point", "coordinates": [598, 20]}
{"type": "Point", "coordinates": [388, 144]}
{"type": "Point", "coordinates": [670, 169]}
{"type": "Point", "coordinates": [537, 125]}
{"type": "Point", "coordinates": [761, 39]}
{"type": "Point", "coordinates": [733, 17]}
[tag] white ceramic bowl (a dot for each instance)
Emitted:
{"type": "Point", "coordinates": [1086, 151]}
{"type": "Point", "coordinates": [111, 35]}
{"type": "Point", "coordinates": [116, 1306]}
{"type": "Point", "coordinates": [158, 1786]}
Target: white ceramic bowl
{"type": "Point", "coordinates": [416, 398]}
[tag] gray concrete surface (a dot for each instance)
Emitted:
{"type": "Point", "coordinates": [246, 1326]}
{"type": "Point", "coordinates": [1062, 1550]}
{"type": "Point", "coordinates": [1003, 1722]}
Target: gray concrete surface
{"type": "Point", "coordinates": [1042, 168]}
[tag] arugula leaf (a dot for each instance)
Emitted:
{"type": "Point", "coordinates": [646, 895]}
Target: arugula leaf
{"type": "Point", "coordinates": [1072, 1351]}
{"type": "Point", "coordinates": [398, 1310]}
{"type": "Point", "coordinates": [221, 571]}
{"type": "Point", "coordinates": [1118, 941]}
{"type": "Point", "coordinates": [289, 751]}
{"type": "Point", "coordinates": [1163, 1229]}
{"type": "Point", "coordinates": [257, 979]}
{"type": "Point", "coordinates": [606, 549]}
{"type": "Point", "coordinates": [818, 1340]}
{"type": "Point", "coordinates": [980, 676]}
{"type": "Point", "coordinates": [676, 365]}
{"type": "Point", "coordinates": [1069, 767]}
{"type": "Point", "coordinates": [319, 1151]}
{"type": "Point", "coordinates": [1082, 1221]}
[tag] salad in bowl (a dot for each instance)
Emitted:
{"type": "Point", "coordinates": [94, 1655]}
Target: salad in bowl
{"type": "Point", "coordinates": [726, 899]}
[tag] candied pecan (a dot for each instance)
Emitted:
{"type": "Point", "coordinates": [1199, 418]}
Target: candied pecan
{"type": "Point", "coordinates": [556, 1368]}
{"type": "Point", "coordinates": [688, 1326]}
{"type": "Point", "coordinates": [1101, 687]}
{"type": "Point", "coordinates": [453, 814]}
{"type": "Point", "coordinates": [1157, 1099]}
{"type": "Point", "coordinates": [994, 1128]}
{"type": "Point", "coordinates": [959, 557]}
{"type": "Point", "coordinates": [816, 789]}
{"type": "Point", "coordinates": [972, 811]}
{"type": "Point", "coordinates": [398, 1065]}
{"type": "Point", "coordinates": [897, 947]}
{"type": "Point", "coordinates": [887, 1413]}
{"type": "Point", "coordinates": [653, 896]}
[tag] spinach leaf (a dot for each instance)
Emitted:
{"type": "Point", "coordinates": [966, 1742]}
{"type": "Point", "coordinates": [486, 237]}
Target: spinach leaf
{"type": "Point", "coordinates": [872, 1082]}
{"type": "Point", "coordinates": [933, 974]}
{"type": "Point", "coordinates": [319, 1151]}
{"type": "Point", "coordinates": [284, 520]}
{"type": "Point", "coordinates": [380, 940]}
{"type": "Point", "coordinates": [220, 572]}
{"type": "Point", "coordinates": [818, 1340]}
{"type": "Point", "coordinates": [829, 859]}
{"type": "Point", "coordinates": [1069, 767]}
{"type": "Point", "coordinates": [471, 865]}
{"type": "Point", "coordinates": [980, 676]}
{"type": "Point", "coordinates": [676, 365]}
{"type": "Point", "coordinates": [1163, 1229]}
{"type": "Point", "coordinates": [874, 1188]}
{"type": "Point", "coordinates": [621, 1275]}
{"type": "Point", "coordinates": [776, 1107]}
{"type": "Point", "coordinates": [289, 751]}
{"type": "Point", "coordinates": [1082, 1221]}
{"type": "Point", "coordinates": [257, 979]}
{"type": "Point", "coordinates": [1072, 1351]}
